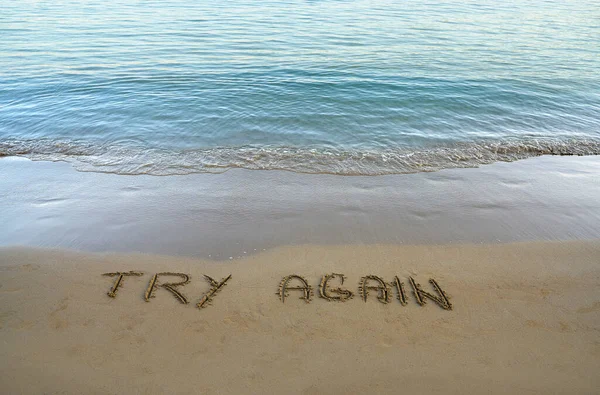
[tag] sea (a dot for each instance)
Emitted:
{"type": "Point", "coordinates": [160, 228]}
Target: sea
{"type": "Point", "coordinates": [365, 87]}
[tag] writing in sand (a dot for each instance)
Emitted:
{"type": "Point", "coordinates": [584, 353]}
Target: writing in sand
{"type": "Point", "coordinates": [294, 283]}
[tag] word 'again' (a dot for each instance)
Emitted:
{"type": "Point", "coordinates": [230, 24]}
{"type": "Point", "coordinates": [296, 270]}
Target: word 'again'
{"type": "Point", "coordinates": [383, 290]}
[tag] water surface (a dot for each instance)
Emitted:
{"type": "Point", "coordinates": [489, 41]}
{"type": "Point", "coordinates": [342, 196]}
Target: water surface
{"type": "Point", "coordinates": [342, 87]}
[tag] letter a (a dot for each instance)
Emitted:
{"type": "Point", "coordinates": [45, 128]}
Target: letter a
{"type": "Point", "coordinates": [383, 292]}
{"type": "Point", "coordinates": [306, 289]}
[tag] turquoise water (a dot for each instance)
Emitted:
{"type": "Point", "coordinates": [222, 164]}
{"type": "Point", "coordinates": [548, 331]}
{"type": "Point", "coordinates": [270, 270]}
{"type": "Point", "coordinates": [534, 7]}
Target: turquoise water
{"type": "Point", "coordinates": [344, 87]}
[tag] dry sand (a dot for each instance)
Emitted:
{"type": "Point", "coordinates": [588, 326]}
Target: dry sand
{"type": "Point", "coordinates": [526, 319]}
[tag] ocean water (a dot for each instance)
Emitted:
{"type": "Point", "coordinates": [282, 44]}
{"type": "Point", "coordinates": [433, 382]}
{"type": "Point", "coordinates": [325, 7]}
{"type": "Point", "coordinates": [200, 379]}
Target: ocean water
{"type": "Point", "coordinates": [343, 87]}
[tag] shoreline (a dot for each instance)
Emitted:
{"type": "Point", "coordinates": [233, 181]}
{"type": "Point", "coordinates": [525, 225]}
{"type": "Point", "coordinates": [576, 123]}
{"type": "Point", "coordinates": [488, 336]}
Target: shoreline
{"type": "Point", "coordinates": [242, 212]}
{"type": "Point", "coordinates": [124, 160]}
{"type": "Point", "coordinates": [524, 319]}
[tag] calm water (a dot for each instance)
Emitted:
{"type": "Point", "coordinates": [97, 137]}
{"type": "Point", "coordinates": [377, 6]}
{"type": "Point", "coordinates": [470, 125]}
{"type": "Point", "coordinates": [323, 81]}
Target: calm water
{"type": "Point", "coordinates": [346, 87]}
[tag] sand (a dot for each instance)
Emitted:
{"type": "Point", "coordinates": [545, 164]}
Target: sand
{"type": "Point", "coordinates": [216, 216]}
{"type": "Point", "coordinates": [514, 246]}
{"type": "Point", "coordinates": [525, 319]}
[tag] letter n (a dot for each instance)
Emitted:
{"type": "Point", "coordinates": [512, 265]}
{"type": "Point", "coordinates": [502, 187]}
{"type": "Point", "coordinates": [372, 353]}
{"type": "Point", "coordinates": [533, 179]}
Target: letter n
{"type": "Point", "coordinates": [422, 296]}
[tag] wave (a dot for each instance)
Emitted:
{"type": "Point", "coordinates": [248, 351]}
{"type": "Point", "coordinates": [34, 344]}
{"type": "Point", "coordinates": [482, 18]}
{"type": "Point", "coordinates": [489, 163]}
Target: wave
{"type": "Point", "coordinates": [128, 160]}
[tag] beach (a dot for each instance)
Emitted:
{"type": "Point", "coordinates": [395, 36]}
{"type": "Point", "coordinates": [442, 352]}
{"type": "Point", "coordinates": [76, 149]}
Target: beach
{"type": "Point", "coordinates": [299, 197]}
{"type": "Point", "coordinates": [514, 247]}
{"type": "Point", "coordinates": [241, 212]}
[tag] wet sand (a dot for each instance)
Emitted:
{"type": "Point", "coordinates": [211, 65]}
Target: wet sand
{"type": "Point", "coordinates": [241, 212]}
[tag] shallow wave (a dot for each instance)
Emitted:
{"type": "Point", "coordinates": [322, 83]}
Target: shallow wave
{"type": "Point", "coordinates": [107, 158]}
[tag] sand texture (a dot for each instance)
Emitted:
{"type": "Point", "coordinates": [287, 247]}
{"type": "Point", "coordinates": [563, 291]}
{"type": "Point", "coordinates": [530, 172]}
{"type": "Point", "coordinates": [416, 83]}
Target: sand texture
{"type": "Point", "coordinates": [525, 319]}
